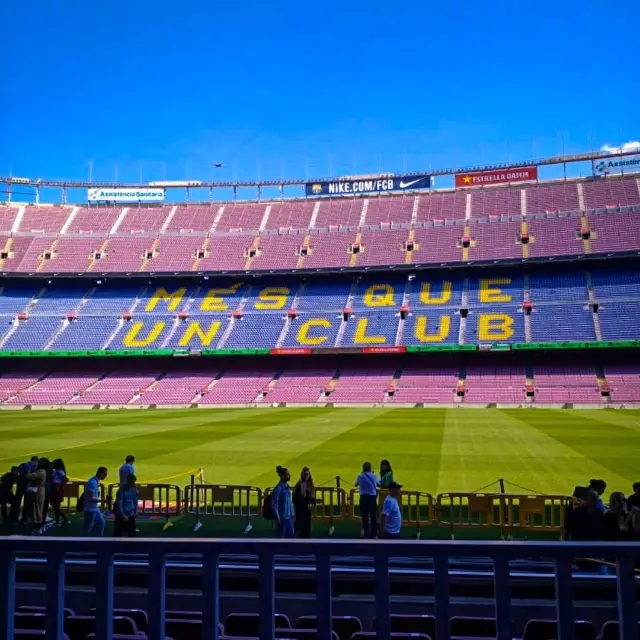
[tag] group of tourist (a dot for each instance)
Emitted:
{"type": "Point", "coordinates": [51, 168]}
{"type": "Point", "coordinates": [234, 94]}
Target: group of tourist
{"type": "Point", "coordinates": [29, 490]}
{"type": "Point", "coordinates": [292, 510]}
{"type": "Point", "coordinates": [592, 520]}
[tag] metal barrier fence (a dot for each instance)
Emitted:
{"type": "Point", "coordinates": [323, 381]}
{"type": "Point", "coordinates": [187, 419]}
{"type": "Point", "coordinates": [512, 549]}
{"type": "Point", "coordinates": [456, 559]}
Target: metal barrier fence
{"type": "Point", "coordinates": [73, 490]}
{"type": "Point", "coordinates": [505, 511]}
{"type": "Point", "coordinates": [164, 500]}
{"type": "Point", "coordinates": [157, 549]}
{"type": "Point", "coordinates": [416, 507]}
{"type": "Point", "coordinates": [240, 501]}
{"type": "Point", "coordinates": [331, 504]}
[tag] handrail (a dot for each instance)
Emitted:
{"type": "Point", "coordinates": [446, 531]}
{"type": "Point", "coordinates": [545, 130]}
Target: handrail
{"type": "Point", "coordinates": [623, 554]}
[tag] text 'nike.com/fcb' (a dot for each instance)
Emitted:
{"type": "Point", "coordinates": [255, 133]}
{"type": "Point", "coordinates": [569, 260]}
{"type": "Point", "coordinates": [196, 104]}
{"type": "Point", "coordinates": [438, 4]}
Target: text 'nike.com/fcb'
{"type": "Point", "coordinates": [368, 185]}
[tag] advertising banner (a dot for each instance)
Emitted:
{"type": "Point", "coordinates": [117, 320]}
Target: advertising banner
{"type": "Point", "coordinates": [616, 164]}
{"type": "Point", "coordinates": [496, 176]}
{"type": "Point", "coordinates": [384, 350]}
{"type": "Point", "coordinates": [126, 195]}
{"type": "Point", "coordinates": [368, 185]}
{"type": "Point", "coordinates": [290, 351]}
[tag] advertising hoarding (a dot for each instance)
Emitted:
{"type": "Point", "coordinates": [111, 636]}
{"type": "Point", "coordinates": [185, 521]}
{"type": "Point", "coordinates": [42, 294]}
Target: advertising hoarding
{"type": "Point", "coordinates": [616, 164]}
{"type": "Point", "coordinates": [497, 176]}
{"type": "Point", "coordinates": [366, 184]}
{"type": "Point", "coordinates": [125, 195]}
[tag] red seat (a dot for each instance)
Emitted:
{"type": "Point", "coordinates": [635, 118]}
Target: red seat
{"type": "Point", "coordinates": [248, 624]}
{"type": "Point", "coordinates": [399, 623]}
{"type": "Point", "coordinates": [611, 631]}
{"type": "Point", "coordinates": [367, 635]}
{"type": "Point", "coordinates": [139, 616]}
{"type": "Point", "coordinates": [28, 608]}
{"type": "Point", "coordinates": [79, 627]}
{"type": "Point", "coordinates": [344, 626]}
{"type": "Point", "coordinates": [32, 621]}
{"type": "Point", "coordinates": [548, 630]}
{"type": "Point", "coordinates": [24, 634]}
{"type": "Point", "coordinates": [301, 634]}
{"type": "Point", "coordinates": [477, 627]}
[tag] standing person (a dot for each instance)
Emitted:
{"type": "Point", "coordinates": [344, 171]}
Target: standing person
{"type": "Point", "coordinates": [126, 470]}
{"type": "Point", "coordinates": [282, 505]}
{"type": "Point", "coordinates": [584, 523]}
{"type": "Point", "coordinates": [615, 521]}
{"type": "Point", "coordinates": [7, 497]}
{"type": "Point", "coordinates": [47, 496]}
{"type": "Point", "coordinates": [23, 482]}
{"type": "Point", "coordinates": [633, 501]}
{"type": "Point", "coordinates": [126, 508]}
{"type": "Point", "coordinates": [93, 518]}
{"type": "Point", "coordinates": [35, 494]}
{"type": "Point", "coordinates": [386, 474]}
{"type": "Point", "coordinates": [391, 514]}
{"type": "Point", "coordinates": [599, 486]}
{"type": "Point", "coordinates": [58, 480]}
{"type": "Point", "coordinates": [304, 497]}
{"type": "Point", "coordinates": [367, 484]}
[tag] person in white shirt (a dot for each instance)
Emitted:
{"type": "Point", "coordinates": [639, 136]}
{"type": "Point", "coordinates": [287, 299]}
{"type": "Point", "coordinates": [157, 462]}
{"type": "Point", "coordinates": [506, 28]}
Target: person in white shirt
{"type": "Point", "coordinates": [391, 514]}
{"type": "Point", "coordinates": [367, 484]}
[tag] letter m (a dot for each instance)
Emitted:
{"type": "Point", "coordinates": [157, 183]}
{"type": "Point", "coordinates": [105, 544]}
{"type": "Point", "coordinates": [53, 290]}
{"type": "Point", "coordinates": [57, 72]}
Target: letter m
{"type": "Point", "coordinates": [172, 299]}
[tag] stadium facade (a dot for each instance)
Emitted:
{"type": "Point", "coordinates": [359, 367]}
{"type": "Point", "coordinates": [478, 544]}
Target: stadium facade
{"type": "Point", "coordinates": [506, 289]}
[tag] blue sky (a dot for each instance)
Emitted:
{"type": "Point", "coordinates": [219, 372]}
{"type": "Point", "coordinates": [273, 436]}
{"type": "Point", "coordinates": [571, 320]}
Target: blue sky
{"type": "Point", "coordinates": [290, 89]}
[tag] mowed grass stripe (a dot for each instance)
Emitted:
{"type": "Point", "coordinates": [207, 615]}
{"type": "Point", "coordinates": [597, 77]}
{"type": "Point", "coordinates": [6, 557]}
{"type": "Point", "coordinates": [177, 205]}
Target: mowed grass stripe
{"type": "Point", "coordinates": [610, 449]}
{"type": "Point", "coordinates": [332, 454]}
{"type": "Point", "coordinates": [245, 458]}
{"type": "Point", "coordinates": [130, 432]}
{"type": "Point", "coordinates": [483, 445]}
{"type": "Point", "coordinates": [410, 439]}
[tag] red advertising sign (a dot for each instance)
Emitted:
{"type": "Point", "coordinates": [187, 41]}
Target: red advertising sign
{"type": "Point", "coordinates": [384, 350]}
{"type": "Point", "coordinates": [483, 178]}
{"type": "Point", "coordinates": [291, 351]}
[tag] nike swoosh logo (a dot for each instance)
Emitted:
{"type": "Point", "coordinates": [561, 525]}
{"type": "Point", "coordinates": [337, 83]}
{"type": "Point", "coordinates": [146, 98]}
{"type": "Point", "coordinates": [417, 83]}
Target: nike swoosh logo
{"type": "Point", "coordinates": [404, 185]}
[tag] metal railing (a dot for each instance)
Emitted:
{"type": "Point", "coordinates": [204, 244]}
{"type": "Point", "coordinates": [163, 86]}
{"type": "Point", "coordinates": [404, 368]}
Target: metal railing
{"type": "Point", "coordinates": [562, 554]}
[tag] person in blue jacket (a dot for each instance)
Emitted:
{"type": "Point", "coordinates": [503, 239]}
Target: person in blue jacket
{"type": "Point", "coordinates": [282, 504]}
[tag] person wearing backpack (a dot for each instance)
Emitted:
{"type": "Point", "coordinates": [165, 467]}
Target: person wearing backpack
{"type": "Point", "coordinates": [93, 518]}
{"type": "Point", "coordinates": [367, 484]}
{"type": "Point", "coordinates": [282, 505]}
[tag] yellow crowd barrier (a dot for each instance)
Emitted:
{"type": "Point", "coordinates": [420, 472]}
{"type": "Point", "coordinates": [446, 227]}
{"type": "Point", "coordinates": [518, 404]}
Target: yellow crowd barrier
{"type": "Point", "coordinates": [416, 507]}
{"type": "Point", "coordinates": [506, 511]}
{"type": "Point", "coordinates": [163, 500]}
{"type": "Point", "coordinates": [71, 491]}
{"type": "Point", "coordinates": [331, 504]}
{"type": "Point", "coordinates": [241, 501]}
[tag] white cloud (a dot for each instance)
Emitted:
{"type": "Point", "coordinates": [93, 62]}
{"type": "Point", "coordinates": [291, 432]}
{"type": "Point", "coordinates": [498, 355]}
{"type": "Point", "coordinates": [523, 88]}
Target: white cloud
{"type": "Point", "coordinates": [627, 146]}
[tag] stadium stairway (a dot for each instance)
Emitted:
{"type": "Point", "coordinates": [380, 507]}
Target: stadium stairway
{"type": "Point", "coordinates": [527, 299]}
{"type": "Point", "coordinates": [152, 252]}
{"type": "Point", "coordinates": [140, 392]}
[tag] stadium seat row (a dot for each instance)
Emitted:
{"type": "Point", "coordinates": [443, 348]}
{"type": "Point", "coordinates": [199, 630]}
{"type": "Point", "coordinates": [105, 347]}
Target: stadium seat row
{"type": "Point", "coordinates": [373, 310]}
{"type": "Point", "coordinates": [393, 382]}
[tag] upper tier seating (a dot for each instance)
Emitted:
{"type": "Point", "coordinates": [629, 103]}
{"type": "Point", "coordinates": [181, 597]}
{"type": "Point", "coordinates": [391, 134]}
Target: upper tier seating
{"type": "Point", "coordinates": [494, 223]}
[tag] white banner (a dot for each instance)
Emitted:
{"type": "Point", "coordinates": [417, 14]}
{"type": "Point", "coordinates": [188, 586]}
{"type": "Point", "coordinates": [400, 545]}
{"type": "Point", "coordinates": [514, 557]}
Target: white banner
{"type": "Point", "coordinates": [617, 164]}
{"type": "Point", "coordinates": [126, 195]}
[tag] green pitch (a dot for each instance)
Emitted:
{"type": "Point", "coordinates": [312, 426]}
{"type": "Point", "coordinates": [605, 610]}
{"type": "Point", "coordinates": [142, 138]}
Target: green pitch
{"type": "Point", "coordinates": [433, 450]}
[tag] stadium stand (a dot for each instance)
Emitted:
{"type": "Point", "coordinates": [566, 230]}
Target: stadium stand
{"type": "Point", "coordinates": [534, 221]}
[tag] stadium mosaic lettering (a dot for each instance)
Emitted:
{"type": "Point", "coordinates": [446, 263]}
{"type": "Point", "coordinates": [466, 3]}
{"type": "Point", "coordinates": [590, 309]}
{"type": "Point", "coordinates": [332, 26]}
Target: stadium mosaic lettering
{"type": "Point", "coordinates": [368, 185]}
{"type": "Point", "coordinates": [374, 319]}
{"type": "Point", "coordinates": [366, 311]}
